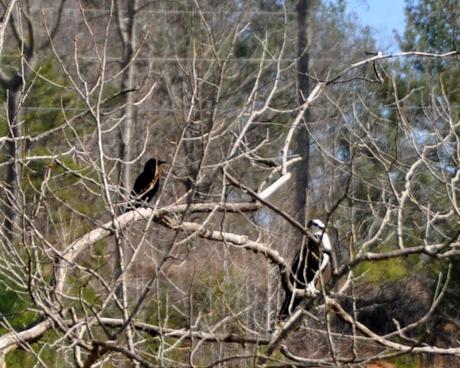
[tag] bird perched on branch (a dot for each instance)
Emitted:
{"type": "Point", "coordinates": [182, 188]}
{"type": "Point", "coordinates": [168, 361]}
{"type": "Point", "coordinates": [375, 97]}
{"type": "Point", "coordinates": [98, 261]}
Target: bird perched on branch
{"type": "Point", "coordinates": [312, 262]}
{"type": "Point", "coordinates": [146, 184]}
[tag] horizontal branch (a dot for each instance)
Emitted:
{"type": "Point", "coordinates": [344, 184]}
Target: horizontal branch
{"type": "Point", "coordinates": [433, 250]}
{"type": "Point", "coordinates": [13, 339]}
{"type": "Point", "coordinates": [242, 241]}
{"type": "Point", "coordinates": [69, 254]}
{"type": "Point", "coordinates": [381, 56]}
{"type": "Point", "coordinates": [182, 333]}
{"type": "Point", "coordinates": [239, 240]}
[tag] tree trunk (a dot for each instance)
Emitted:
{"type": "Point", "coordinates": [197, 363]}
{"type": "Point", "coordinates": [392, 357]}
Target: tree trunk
{"type": "Point", "coordinates": [303, 88]}
{"type": "Point", "coordinates": [127, 28]}
{"type": "Point", "coordinates": [14, 151]}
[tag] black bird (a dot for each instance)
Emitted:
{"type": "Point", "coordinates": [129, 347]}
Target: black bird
{"type": "Point", "coordinates": [146, 184]}
{"type": "Point", "coordinates": [309, 264]}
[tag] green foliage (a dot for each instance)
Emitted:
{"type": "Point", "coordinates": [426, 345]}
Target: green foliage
{"type": "Point", "coordinates": [432, 25]}
{"type": "Point", "coordinates": [46, 99]}
{"type": "Point", "coordinates": [49, 356]}
{"type": "Point", "coordinates": [65, 196]}
{"type": "Point", "coordinates": [81, 287]}
{"type": "Point", "coordinates": [69, 192]}
{"type": "Point", "coordinates": [47, 96]}
{"type": "Point", "coordinates": [15, 308]}
{"type": "Point", "coordinates": [15, 305]}
{"type": "Point", "coordinates": [20, 358]}
{"type": "Point", "coordinates": [406, 361]}
{"type": "Point", "coordinates": [387, 270]}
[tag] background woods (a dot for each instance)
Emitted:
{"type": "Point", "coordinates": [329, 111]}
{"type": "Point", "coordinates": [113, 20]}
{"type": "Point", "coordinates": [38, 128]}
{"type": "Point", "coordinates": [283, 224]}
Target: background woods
{"type": "Point", "coordinates": [268, 114]}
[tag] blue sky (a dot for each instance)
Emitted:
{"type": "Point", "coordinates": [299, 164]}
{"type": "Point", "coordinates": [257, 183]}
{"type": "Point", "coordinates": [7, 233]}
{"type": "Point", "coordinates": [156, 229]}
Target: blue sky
{"type": "Point", "coordinates": [384, 16]}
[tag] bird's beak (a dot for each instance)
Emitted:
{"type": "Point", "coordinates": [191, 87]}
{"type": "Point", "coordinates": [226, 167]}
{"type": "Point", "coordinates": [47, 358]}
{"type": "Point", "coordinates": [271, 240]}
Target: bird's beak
{"type": "Point", "coordinates": [160, 165]}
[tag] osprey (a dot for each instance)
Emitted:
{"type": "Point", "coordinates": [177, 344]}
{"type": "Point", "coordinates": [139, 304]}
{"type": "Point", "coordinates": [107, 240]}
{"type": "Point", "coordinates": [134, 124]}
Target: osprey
{"type": "Point", "coordinates": [310, 264]}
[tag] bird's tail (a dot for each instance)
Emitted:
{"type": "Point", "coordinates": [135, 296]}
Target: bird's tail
{"type": "Point", "coordinates": [288, 306]}
{"type": "Point", "coordinates": [284, 311]}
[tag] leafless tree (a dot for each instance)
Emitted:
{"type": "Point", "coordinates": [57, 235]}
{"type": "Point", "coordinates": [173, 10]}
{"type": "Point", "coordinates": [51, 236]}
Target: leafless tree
{"type": "Point", "coordinates": [193, 278]}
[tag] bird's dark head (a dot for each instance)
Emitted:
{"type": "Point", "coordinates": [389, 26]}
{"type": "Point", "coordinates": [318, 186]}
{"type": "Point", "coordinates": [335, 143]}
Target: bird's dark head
{"type": "Point", "coordinates": [152, 164]}
{"type": "Point", "coordinates": [316, 225]}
